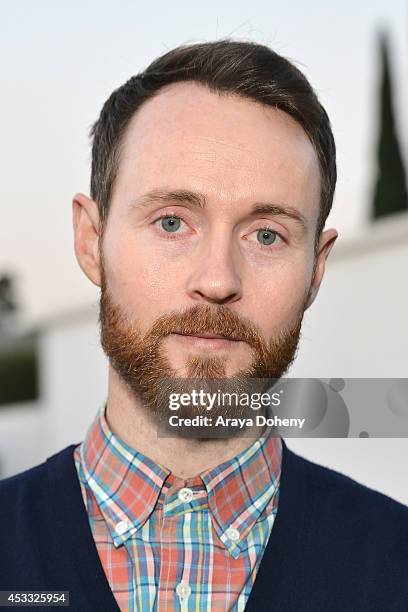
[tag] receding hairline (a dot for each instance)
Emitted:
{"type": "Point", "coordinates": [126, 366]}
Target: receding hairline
{"type": "Point", "coordinates": [240, 98]}
{"type": "Point", "coordinates": [280, 113]}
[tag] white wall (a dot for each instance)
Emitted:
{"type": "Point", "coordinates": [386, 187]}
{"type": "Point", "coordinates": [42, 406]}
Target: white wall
{"type": "Point", "coordinates": [358, 328]}
{"type": "Point", "coordinates": [77, 377]}
{"type": "Point", "coordinates": [21, 437]}
{"type": "Point", "coordinates": [73, 381]}
{"type": "Point", "coordinates": [358, 325]}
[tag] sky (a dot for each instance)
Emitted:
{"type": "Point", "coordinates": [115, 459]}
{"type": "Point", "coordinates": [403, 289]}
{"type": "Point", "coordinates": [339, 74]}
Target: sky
{"type": "Point", "coordinates": [60, 61]}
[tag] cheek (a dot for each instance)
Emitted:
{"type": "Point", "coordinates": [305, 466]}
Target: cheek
{"type": "Point", "coordinates": [137, 277]}
{"type": "Point", "coordinates": [277, 297]}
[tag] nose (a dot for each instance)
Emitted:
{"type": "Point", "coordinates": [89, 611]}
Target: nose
{"type": "Point", "coordinates": [214, 277]}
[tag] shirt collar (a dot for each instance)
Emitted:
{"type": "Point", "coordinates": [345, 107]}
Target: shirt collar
{"type": "Point", "coordinates": [128, 485]}
{"type": "Point", "coordinates": [240, 489]}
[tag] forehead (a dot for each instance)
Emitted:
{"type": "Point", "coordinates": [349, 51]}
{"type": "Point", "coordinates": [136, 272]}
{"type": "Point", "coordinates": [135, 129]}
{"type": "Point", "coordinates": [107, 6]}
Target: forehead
{"type": "Point", "coordinates": [223, 145]}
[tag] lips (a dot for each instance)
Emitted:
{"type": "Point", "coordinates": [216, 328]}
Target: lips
{"type": "Point", "coordinates": [209, 336]}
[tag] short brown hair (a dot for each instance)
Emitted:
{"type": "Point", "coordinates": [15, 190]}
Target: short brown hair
{"type": "Point", "coordinates": [247, 69]}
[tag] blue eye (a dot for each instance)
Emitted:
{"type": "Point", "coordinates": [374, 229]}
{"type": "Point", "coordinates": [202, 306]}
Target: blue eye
{"type": "Point", "coordinates": [170, 224]}
{"type": "Point", "coordinates": [266, 236]}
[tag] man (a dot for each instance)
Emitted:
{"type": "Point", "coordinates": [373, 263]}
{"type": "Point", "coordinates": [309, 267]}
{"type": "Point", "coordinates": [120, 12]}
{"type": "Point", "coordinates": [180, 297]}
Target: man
{"type": "Point", "coordinates": [213, 173]}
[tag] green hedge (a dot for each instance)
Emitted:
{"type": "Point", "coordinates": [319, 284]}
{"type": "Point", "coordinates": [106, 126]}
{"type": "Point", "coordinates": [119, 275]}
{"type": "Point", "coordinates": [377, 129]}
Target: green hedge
{"type": "Point", "coordinates": [18, 377]}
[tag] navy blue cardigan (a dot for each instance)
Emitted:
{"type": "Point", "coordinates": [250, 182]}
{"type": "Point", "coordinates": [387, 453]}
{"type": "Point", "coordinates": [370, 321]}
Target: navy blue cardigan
{"type": "Point", "coordinates": [336, 545]}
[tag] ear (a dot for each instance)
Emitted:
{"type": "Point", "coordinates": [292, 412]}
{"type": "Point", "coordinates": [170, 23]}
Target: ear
{"type": "Point", "coordinates": [85, 219]}
{"type": "Point", "coordinates": [326, 242]}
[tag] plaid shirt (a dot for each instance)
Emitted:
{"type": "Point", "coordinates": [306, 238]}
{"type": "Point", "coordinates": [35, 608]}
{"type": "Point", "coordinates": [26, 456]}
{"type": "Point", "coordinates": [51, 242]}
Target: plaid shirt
{"type": "Point", "coordinates": [170, 544]}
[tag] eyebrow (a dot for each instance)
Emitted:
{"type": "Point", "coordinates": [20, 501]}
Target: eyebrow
{"type": "Point", "coordinates": [200, 201]}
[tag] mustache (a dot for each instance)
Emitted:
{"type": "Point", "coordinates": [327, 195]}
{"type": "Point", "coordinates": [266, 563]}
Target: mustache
{"type": "Point", "coordinates": [139, 360]}
{"type": "Point", "coordinates": [204, 319]}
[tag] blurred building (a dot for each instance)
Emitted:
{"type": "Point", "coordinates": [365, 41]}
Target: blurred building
{"type": "Point", "coordinates": [358, 325]}
{"type": "Point", "coordinates": [356, 328]}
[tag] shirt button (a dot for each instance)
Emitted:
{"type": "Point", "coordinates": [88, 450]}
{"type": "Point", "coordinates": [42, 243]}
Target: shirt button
{"type": "Point", "coordinates": [232, 534]}
{"type": "Point", "coordinates": [185, 495]}
{"type": "Point", "coordinates": [121, 527]}
{"type": "Point", "coordinates": [183, 590]}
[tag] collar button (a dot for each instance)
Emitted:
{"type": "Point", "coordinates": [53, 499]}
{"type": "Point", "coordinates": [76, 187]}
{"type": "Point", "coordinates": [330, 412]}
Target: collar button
{"type": "Point", "coordinates": [121, 527]}
{"type": "Point", "coordinates": [232, 534]}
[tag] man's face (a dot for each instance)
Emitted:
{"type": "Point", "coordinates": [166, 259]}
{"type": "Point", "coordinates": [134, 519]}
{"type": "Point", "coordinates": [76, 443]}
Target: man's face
{"type": "Point", "coordinates": [169, 265]}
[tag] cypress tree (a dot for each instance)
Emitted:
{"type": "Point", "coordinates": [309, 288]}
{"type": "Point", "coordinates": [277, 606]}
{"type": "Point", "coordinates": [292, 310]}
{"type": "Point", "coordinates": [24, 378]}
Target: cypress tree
{"type": "Point", "coordinates": [390, 193]}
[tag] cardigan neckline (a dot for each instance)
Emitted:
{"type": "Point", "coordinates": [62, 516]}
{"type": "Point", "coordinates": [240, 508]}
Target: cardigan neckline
{"type": "Point", "coordinates": [277, 567]}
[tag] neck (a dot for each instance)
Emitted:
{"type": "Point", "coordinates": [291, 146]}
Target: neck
{"type": "Point", "coordinates": [129, 420]}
